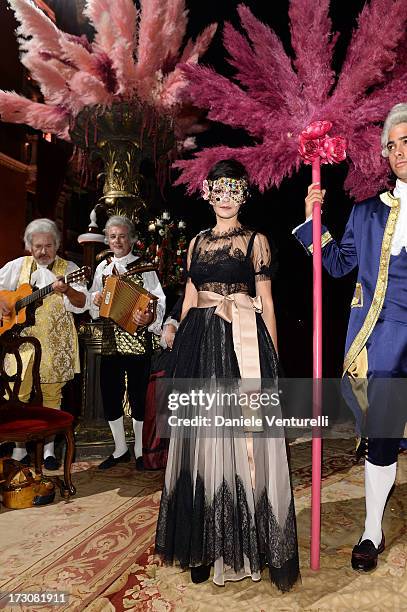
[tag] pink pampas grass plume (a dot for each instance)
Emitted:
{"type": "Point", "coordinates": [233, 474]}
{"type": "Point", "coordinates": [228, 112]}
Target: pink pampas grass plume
{"type": "Point", "coordinates": [34, 25]}
{"type": "Point", "coordinates": [98, 13]}
{"type": "Point", "coordinates": [151, 51]}
{"type": "Point", "coordinates": [276, 97]}
{"type": "Point", "coordinates": [176, 81]}
{"type": "Point", "coordinates": [17, 109]}
{"type": "Point", "coordinates": [125, 20]}
{"type": "Point", "coordinates": [90, 90]}
{"type": "Point", "coordinates": [367, 61]}
{"type": "Point", "coordinates": [53, 84]}
{"type": "Point", "coordinates": [133, 57]}
{"type": "Point", "coordinates": [313, 44]}
{"type": "Point", "coordinates": [226, 102]}
{"type": "Point", "coordinates": [175, 25]}
{"type": "Point", "coordinates": [195, 49]}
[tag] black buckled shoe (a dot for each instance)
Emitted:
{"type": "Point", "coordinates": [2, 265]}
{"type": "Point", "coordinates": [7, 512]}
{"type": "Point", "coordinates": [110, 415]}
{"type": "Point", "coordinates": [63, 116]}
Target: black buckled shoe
{"type": "Point", "coordinates": [364, 555]}
{"type": "Point", "coordinates": [139, 464]}
{"type": "Point", "coordinates": [112, 461]}
{"type": "Point", "coordinates": [26, 461]}
{"type": "Point", "coordinates": [200, 573]}
{"type": "Point", "coordinates": [52, 464]}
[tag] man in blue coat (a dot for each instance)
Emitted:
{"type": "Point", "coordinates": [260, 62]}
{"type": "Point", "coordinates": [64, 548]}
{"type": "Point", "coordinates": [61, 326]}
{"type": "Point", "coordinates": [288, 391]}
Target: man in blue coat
{"type": "Point", "coordinates": [374, 242]}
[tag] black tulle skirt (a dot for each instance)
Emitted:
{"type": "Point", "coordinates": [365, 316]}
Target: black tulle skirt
{"type": "Point", "coordinates": [210, 513]}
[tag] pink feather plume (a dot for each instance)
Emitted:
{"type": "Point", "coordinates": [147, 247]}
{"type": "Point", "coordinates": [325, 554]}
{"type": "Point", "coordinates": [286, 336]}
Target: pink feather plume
{"type": "Point", "coordinates": [90, 90]}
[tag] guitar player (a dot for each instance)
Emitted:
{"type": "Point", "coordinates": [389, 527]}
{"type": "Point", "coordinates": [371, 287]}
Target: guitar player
{"type": "Point", "coordinates": [54, 324]}
{"type": "Point", "coordinates": [123, 353]}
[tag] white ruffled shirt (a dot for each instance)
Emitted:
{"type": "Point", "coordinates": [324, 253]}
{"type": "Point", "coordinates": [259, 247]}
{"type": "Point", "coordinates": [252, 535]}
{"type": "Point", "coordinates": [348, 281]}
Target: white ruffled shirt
{"type": "Point", "coordinates": [150, 283]}
{"type": "Point", "coordinates": [400, 233]}
{"type": "Point", "coordinates": [42, 276]}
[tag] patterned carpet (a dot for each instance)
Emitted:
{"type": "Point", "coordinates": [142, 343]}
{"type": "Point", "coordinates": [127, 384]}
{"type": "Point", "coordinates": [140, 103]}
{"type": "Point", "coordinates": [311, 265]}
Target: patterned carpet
{"type": "Point", "coordinates": [82, 546]}
{"type": "Point", "coordinates": [99, 547]}
{"type": "Point", "coordinates": [148, 586]}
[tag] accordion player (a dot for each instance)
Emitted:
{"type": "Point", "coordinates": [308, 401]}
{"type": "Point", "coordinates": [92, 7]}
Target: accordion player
{"type": "Point", "coordinates": [125, 354]}
{"type": "Point", "coordinates": [121, 296]}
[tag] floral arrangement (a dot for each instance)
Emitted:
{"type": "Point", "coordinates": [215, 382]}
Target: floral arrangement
{"type": "Point", "coordinates": [165, 244]}
{"type": "Point", "coordinates": [314, 143]}
{"type": "Point", "coordinates": [274, 97]}
{"type": "Point", "coordinates": [135, 55]}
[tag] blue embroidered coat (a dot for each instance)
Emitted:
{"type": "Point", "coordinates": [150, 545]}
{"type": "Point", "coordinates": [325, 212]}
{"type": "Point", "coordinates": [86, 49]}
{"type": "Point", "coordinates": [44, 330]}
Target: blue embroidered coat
{"type": "Point", "coordinates": [366, 244]}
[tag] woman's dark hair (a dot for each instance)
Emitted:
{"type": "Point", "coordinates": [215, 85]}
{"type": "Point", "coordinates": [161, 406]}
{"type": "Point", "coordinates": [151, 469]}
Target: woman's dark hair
{"type": "Point", "coordinates": [228, 168]}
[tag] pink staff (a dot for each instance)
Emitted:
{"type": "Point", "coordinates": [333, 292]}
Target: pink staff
{"type": "Point", "coordinates": [317, 147]}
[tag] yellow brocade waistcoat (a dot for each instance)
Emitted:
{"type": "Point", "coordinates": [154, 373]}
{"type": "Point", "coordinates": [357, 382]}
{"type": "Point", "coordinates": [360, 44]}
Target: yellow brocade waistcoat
{"type": "Point", "coordinates": [55, 329]}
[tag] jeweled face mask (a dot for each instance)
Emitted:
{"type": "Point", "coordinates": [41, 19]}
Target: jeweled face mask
{"type": "Point", "coordinates": [234, 189]}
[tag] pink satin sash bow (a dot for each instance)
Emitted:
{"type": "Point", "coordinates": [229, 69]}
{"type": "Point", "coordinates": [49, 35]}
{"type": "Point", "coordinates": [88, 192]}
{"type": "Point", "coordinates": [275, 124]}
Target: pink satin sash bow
{"type": "Point", "coordinates": [239, 309]}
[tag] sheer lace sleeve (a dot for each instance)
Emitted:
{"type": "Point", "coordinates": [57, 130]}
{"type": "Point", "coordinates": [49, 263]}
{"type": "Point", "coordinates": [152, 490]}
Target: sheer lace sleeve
{"type": "Point", "coordinates": [190, 252]}
{"type": "Point", "coordinates": [261, 258]}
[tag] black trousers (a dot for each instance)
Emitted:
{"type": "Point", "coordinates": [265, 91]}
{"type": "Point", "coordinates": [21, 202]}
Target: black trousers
{"type": "Point", "coordinates": [113, 369]}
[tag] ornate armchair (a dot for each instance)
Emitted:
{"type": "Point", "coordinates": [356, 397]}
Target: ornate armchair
{"type": "Point", "coordinates": [31, 422]}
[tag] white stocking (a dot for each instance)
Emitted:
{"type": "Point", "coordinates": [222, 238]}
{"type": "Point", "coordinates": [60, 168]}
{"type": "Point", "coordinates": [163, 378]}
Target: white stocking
{"type": "Point", "coordinates": [19, 452]}
{"type": "Point", "coordinates": [378, 482]}
{"type": "Point", "coordinates": [49, 449]}
{"type": "Point", "coordinates": [138, 438]}
{"type": "Point", "coordinates": [119, 437]}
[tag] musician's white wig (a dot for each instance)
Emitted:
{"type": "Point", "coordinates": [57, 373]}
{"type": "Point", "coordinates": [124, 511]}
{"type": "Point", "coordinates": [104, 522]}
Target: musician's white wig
{"type": "Point", "coordinates": [398, 114]}
{"type": "Point", "coordinates": [118, 221]}
{"type": "Point", "coordinates": [41, 226]}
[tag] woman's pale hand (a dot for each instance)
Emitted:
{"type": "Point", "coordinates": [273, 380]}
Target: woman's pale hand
{"type": "Point", "coordinates": [168, 334]}
{"type": "Point", "coordinates": [315, 195]}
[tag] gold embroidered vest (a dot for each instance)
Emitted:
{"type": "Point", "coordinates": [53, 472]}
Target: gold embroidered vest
{"type": "Point", "coordinates": [117, 341]}
{"type": "Point", "coordinates": [55, 329]}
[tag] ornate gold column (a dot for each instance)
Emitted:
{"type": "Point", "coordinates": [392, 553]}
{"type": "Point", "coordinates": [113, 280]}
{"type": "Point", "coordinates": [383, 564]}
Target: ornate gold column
{"type": "Point", "coordinates": [123, 136]}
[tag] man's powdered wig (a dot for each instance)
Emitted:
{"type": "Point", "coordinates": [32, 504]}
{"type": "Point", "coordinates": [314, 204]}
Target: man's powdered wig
{"type": "Point", "coordinates": [398, 114]}
{"type": "Point", "coordinates": [41, 226]}
{"type": "Point", "coordinates": [117, 220]}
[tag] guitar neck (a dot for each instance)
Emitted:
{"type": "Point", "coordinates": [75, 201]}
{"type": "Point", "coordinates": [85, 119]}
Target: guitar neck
{"type": "Point", "coordinates": [39, 294]}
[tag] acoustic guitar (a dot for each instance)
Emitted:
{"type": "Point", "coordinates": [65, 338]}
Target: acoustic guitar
{"type": "Point", "coordinates": [25, 299]}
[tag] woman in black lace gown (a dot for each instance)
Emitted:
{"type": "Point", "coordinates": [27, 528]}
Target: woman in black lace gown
{"type": "Point", "coordinates": [227, 499]}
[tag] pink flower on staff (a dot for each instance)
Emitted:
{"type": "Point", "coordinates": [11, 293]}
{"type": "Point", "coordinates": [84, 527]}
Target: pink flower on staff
{"type": "Point", "coordinates": [335, 149]}
{"type": "Point", "coordinates": [316, 129]}
{"type": "Point", "coordinates": [310, 149]}
{"type": "Point", "coordinates": [329, 150]}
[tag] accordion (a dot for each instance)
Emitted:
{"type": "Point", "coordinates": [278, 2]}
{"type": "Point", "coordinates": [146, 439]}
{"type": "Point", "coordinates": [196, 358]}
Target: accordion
{"type": "Point", "coordinates": [121, 297]}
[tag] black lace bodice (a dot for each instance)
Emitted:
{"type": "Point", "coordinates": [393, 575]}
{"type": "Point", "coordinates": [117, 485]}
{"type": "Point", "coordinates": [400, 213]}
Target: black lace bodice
{"type": "Point", "coordinates": [230, 262]}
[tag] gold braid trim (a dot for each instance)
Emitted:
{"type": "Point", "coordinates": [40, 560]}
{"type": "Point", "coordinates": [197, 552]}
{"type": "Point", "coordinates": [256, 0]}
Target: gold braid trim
{"type": "Point", "coordinates": [381, 283]}
{"type": "Point", "coordinates": [325, 239]}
